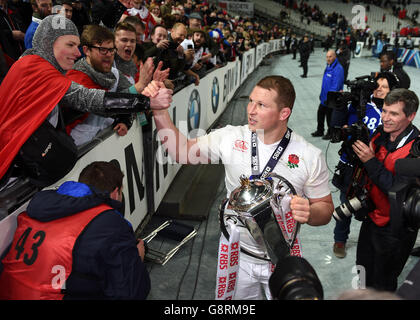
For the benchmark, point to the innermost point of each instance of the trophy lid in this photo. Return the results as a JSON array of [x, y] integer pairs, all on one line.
[[249, 194]]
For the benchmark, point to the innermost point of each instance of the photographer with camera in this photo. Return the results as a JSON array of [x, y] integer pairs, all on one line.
[[382, 250], [197, 68], [385, 81], [169, 50]]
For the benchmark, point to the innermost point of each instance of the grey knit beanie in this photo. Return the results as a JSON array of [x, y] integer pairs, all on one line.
[[48, 31]]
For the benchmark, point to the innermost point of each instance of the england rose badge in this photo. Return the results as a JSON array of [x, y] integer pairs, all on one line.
[[293, 161]]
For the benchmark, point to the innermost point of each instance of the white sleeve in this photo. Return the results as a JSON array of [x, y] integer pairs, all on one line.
[[317, 184], [211, 144]]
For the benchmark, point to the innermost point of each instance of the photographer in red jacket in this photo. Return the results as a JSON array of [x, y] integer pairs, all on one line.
[[382, 252]]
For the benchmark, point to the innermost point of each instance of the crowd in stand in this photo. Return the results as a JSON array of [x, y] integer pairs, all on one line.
[[223, 37], [340, 27], [206, 36], [399, 9], [187, 38]]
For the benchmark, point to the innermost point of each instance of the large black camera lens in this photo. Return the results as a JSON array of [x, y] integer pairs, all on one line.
[[337, 135], [295, 279], [415, 148], [411, 208]]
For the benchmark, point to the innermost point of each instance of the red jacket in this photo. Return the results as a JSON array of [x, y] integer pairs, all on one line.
[[380, 216]]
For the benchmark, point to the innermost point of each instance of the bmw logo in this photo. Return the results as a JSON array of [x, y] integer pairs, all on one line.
[[215, 95], [194, 111]]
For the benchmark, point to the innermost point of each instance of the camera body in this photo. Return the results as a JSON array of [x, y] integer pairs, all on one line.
[[404, 197], [172, 45], [358, 202], [360, 90], [349, 135]]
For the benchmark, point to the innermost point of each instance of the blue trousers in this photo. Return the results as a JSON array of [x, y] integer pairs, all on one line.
[[342, 228]]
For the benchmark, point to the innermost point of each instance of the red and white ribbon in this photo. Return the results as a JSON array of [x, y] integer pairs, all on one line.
[[228, 263], [287, 223], [229, 250]]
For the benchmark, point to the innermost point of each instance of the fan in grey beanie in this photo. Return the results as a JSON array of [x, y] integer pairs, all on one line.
[[48, 31], [77, 96]]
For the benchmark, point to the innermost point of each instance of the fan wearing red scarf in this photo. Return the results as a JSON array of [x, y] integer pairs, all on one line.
[[35, 87]]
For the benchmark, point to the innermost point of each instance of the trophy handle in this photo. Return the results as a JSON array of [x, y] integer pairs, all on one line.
[[293, 191], [291, 187], [221, 218], [294, 234]]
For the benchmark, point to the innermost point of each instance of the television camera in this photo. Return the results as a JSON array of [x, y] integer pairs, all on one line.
[[404, 196], [361, 89]]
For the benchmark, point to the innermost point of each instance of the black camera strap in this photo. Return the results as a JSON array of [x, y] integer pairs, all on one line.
[[274, 159]]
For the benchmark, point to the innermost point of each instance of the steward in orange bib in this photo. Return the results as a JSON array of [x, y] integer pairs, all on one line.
[[380, 250], [72, 243]]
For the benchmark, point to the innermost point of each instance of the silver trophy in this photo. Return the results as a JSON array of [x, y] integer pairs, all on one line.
[[252, 203]]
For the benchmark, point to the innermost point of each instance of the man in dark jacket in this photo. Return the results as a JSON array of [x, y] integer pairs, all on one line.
[[305, 51], [73, 243], [294, 45], [170, 52], [195, 21], [109, 11], [333, 80], [328, 42], [388, 62], [80, 15], [344, 56], [12, 32]]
